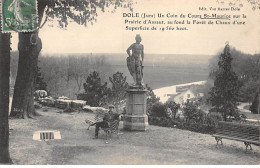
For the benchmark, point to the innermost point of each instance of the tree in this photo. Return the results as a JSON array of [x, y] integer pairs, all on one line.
[[29, 47], [118, 90], [78, 70], [4, 97], [23, 102], [255, 63], [255, 108], [247, 68], [174, 107], [248, 90], [224, 93], [151, 99], [81, 12], [192, 114], [95, 93], [40, 84], [54, 75]]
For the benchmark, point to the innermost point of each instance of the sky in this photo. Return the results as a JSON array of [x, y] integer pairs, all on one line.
[[108, 34]]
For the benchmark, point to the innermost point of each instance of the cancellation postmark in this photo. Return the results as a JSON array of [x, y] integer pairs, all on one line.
[[19, 15]]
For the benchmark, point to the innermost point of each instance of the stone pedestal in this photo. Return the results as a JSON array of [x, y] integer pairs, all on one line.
[[135, 118]]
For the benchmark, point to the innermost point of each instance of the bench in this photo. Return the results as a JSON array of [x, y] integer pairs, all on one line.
[[113, 126], [249, 134]]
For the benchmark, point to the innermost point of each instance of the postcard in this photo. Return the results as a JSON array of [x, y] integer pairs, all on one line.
[[130, 82]]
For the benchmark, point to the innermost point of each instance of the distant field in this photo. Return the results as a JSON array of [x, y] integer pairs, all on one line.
[[157, 77], [160, 70]]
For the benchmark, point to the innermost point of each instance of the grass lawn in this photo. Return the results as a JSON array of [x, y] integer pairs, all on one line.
[[157, 145]]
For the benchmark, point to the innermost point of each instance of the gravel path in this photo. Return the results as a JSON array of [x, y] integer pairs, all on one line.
[[157, 145]]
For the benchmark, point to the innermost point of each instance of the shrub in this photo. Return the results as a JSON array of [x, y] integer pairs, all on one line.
[[255, 105], [212, 120], [162, 121], [158, 115], [195, 119], [192, 114], [151, 99], [117, 94], [174, 107], [95, 93], [158, 110]]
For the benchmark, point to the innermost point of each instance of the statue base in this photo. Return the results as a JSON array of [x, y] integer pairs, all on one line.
[[135, 118]]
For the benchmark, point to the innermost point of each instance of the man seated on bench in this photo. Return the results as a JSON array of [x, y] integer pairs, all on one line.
[[109, 117]]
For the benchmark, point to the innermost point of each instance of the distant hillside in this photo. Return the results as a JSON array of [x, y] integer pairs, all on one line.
[[150, 59], [159, 70]]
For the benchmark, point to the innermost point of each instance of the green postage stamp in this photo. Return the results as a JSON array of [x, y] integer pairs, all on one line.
[[19, 15]]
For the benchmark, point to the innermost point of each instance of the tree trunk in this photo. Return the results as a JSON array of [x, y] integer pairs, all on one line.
[[4, 97], [29, 48], [224, 116], [258, 105]]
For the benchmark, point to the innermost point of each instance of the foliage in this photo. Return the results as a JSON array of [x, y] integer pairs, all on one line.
[[174, 107], [224, 93], [247, 68], [248, 90], [151, 99], [158, 114], [66, 74], [40, 84], [162, 121], [159, 110], [79, 11], [212, 120], [206, 88], [195, 119], [254, 108], [95, 92], [117, 93], [192, 114], [199, 121]]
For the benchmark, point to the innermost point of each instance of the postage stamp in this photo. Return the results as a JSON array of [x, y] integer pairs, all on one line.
[[19, 15]]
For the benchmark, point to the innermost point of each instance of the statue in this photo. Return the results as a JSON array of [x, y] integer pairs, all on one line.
[[135, 61]]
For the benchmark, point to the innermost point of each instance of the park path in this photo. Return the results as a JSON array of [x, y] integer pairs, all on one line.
[[241, 107], [250, 116], [157, 145]]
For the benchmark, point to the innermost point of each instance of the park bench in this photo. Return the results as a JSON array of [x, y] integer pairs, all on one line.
[[113, 126], [249, 134]]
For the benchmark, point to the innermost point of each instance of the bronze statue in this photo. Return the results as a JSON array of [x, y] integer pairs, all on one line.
[[135, 61]]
